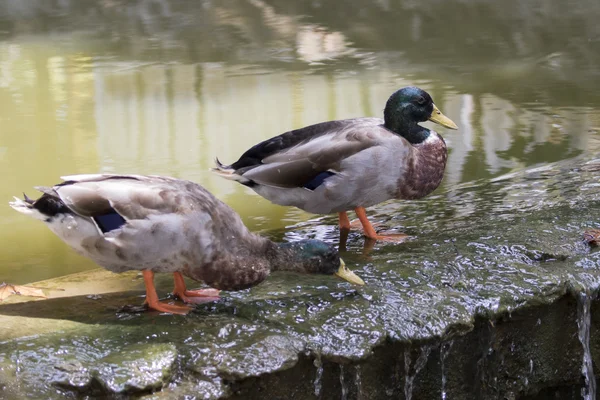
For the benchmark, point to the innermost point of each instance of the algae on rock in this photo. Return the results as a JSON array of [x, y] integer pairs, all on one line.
[[495, 273]]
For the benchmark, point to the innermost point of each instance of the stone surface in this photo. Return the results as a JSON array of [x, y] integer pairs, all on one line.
[[137, 368], [72, 375], [273, 353], [484, 302]]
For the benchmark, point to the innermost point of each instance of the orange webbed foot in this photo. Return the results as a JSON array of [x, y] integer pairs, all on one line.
[[392, 237], [370, 233], [193, 296], [152, 298], [198, 296], [168, 308], [202, 293]]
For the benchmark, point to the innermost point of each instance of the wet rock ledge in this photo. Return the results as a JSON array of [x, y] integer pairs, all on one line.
[[495, 298]]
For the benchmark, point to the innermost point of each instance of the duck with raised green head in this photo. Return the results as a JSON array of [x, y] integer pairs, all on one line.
[[351, 164], [161, 224]]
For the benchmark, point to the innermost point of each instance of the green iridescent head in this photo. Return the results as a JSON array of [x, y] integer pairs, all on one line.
[[315, 257], [410, 105]]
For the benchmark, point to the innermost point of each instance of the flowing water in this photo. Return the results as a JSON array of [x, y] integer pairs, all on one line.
[[318, 384], [411, 371], [358, 382], [445, 348], [584, 324], [343, 384]]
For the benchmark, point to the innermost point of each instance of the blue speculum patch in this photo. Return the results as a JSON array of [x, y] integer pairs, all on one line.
[[318, 180], [109, 222]]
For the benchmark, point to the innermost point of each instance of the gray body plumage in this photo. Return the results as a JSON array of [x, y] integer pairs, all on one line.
[[370, 164], [170, 225]]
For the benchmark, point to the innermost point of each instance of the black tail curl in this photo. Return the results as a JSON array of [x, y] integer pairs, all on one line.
[[49, 205]]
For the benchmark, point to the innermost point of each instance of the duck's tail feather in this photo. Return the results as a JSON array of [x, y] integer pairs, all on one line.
[[227, 172], [27, 198], [26, 207]]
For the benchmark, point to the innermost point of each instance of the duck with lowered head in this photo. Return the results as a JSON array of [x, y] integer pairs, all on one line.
[[161, 224]]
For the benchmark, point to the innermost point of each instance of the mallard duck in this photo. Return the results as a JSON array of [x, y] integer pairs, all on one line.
[[161, 224], [350, 164]]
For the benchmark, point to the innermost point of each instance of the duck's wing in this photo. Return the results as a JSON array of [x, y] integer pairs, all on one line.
[[295, 158], [131, 196]]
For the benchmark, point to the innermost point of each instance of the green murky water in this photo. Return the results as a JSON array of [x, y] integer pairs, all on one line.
[[163, 87]]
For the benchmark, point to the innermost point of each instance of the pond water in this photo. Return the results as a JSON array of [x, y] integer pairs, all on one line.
[[163, 87]]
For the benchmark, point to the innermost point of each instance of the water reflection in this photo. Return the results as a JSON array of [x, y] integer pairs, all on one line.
[[165, 86], [202, 111]]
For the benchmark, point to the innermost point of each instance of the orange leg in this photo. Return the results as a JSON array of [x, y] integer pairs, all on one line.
[[152, 297], [188, 295], [344, 221], [367, 227], [346, 224], [369, 231]]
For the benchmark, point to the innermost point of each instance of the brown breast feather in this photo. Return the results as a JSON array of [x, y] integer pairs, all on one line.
[[424, 170]]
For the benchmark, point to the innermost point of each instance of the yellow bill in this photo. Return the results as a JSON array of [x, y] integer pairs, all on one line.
[[348, 275], [439, 118]]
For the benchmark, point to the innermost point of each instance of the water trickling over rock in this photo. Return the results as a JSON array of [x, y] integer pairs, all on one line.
[[411, 373], [318, 376], [583, 324], [445, 348]]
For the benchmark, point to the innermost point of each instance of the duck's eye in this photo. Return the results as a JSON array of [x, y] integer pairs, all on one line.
[[421, 100]]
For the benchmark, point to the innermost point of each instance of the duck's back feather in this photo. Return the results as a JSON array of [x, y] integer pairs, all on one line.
[[132, 196], [296, 158], [358, 164], [162, 224], [281, 143]]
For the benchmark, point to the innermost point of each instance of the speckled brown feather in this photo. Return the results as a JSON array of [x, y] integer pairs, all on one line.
[[162, 224], [172, 225], [424, 171]]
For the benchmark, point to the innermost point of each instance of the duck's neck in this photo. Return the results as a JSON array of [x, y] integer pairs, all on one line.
[[405, 127], [285, 257], [247, 262], [410, 131]]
